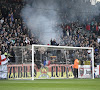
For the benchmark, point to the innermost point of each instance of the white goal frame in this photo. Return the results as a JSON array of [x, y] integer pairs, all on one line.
[[63, 47]]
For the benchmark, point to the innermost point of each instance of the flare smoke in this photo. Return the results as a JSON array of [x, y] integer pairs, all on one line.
[[43, 16]]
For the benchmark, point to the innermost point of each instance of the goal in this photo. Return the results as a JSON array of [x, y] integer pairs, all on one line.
[[56, 62], [51, 62]]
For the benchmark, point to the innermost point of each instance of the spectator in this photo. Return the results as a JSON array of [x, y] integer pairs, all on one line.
[[88, 27], [54, 42], [14, 32], [98, 39]]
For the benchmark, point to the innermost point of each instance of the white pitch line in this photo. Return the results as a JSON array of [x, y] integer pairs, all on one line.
[[34, 82]]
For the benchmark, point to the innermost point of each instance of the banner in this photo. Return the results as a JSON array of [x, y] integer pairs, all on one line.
[[24, 71], [3, 75], [3, 60], [84, 71], [3, 71], [96, 71], [3, 68]]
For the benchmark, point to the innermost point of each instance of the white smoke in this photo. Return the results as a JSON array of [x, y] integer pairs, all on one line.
[[42, 20], [41, 16]]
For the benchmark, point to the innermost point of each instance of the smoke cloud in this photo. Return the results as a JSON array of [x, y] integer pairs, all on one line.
[[42, 16]]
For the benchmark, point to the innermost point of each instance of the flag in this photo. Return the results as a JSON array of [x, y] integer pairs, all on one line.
[[3, 60], [46, 62], [3, 66]]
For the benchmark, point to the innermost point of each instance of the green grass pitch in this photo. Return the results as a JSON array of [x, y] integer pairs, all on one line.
[[59, 84]]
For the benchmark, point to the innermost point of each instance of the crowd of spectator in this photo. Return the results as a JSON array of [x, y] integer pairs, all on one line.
[[78, 38], [13, 31]]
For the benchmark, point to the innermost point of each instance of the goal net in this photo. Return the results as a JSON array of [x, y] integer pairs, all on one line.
[[51, 62], [56, 62]]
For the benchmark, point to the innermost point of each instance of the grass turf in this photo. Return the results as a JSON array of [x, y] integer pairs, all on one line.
[[60, 84]]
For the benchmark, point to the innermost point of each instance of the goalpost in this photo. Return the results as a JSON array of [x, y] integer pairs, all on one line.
[[56, 62], [51, 62]]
